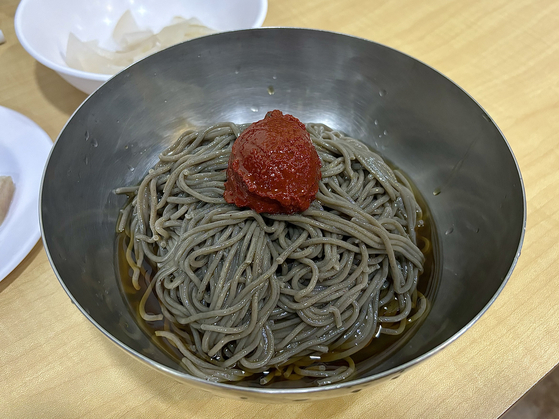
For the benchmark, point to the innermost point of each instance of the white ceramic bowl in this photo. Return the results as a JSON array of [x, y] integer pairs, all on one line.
[[43, 26]]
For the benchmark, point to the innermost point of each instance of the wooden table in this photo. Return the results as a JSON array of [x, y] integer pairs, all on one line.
[[54, 363]]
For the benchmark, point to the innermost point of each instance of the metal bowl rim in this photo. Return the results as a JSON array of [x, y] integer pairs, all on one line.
[[182, 376]]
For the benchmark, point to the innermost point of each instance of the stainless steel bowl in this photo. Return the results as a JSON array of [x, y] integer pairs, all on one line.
[[418, 119]]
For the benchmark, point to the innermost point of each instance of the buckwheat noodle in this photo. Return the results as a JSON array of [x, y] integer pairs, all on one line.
[[286, 296]]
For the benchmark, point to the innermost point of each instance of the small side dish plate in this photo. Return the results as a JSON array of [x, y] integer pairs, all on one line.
[[24, 148]]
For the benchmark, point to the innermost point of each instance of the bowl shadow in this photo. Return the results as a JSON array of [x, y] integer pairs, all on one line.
[[62, 95], [23, 265]]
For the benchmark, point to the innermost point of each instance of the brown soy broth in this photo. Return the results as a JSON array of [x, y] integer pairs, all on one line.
[[133, 297], [382, 347], [375, 353]]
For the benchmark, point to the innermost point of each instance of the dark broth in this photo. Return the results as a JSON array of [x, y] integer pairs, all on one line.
[[379, 349]]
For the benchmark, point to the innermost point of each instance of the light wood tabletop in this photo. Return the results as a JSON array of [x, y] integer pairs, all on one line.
[[55, 363]]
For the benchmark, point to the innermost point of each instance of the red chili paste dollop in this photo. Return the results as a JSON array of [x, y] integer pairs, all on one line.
[[273, 167]]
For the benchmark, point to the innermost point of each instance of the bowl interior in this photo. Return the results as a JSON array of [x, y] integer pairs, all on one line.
[[418, 119], [44, 25]]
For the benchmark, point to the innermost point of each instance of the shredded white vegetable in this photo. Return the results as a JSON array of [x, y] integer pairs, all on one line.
[[133, 44]]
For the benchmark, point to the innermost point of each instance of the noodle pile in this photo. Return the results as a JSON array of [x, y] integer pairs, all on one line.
[[285, 296]]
